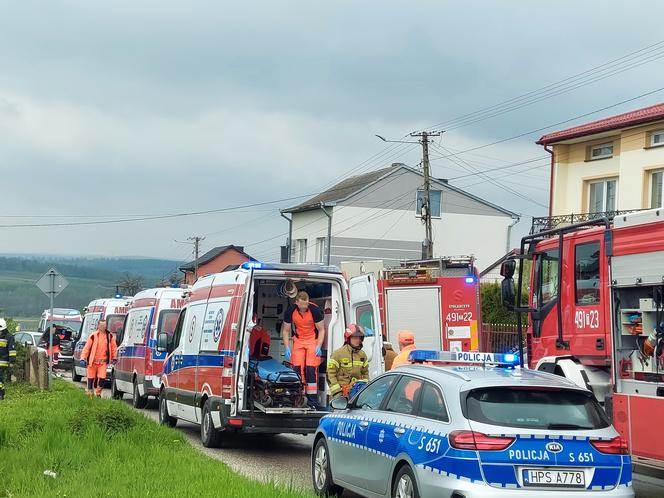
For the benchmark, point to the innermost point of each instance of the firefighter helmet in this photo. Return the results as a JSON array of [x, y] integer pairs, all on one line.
[[354, 330], [3, 324]]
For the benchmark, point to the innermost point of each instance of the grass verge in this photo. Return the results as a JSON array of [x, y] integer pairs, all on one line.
[[103, 448]]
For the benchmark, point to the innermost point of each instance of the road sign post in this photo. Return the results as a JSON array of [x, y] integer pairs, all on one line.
[[51, 283]]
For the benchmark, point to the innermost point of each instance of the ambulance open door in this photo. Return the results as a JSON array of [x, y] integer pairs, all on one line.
[[364, 311]]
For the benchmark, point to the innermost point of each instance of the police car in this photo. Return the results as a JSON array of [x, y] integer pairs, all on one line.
[[454, 428]]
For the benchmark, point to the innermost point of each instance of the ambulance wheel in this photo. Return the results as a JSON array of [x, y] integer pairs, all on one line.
[[321, 471], [74, 376], [138, 401], [210, 436], [164, 417], [115, 392], [404, 485]]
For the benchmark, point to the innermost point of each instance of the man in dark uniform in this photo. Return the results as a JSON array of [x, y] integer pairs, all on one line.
[[7, 354]]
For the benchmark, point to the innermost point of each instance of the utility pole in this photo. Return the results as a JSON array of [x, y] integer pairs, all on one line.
[[426, 205], [197, 242]]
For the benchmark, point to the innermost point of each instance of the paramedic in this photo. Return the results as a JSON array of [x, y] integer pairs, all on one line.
[[305, 321], [406, 345], [349, 363], [259, 341], [389, 354], [7, 354], [100, 350]]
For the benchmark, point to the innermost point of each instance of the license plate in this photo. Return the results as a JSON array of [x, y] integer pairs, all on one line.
[[554, 478]]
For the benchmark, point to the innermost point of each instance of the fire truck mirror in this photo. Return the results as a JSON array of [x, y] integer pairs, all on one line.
[[507, 268], [162, 343], [507, 294]]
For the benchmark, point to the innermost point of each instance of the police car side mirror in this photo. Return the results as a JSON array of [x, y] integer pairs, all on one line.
[[162, 343], [339, 403]]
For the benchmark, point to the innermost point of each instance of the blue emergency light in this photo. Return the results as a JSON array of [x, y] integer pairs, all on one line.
[[470, 280], [475, 357], [118, 296], [257, 265]]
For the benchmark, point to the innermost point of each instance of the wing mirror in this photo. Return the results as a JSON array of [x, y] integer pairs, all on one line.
[[339, 403], [162, 343]]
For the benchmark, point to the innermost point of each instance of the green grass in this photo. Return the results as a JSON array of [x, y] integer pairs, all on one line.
[[103, 448]]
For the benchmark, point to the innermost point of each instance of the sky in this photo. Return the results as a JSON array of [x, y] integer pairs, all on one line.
[[122, 109]]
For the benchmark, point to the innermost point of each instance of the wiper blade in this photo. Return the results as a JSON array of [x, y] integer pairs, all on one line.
[[567, 426]]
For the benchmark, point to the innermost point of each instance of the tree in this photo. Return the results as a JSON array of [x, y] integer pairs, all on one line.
[[131, 285]]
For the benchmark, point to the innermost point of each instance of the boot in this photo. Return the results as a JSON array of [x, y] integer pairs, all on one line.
[[313, 401]]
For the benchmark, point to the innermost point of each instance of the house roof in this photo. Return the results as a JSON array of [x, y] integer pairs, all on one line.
[[499, 262], [355, 184], [343, 189], [632, 118], [212, 254]]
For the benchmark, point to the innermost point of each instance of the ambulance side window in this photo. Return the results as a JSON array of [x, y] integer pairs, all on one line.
[[364, 316], [175, 340]]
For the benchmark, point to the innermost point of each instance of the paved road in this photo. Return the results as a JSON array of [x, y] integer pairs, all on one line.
[[285, 458]]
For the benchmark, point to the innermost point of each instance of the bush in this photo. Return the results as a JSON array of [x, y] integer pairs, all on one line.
[[492, 308], [18, 368]]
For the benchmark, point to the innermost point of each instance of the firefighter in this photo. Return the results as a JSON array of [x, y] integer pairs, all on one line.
[[349, 363], [389, 354], [100, 350], [7, 354], [305, 322], [406, 345]]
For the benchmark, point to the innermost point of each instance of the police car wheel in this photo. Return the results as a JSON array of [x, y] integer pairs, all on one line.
[[321, 471], [404, 484], [210, 436], [164, 417], [138, 401], [115, 392]]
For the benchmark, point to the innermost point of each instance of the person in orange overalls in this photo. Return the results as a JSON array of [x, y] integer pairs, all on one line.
[[100, 350], [305, 321], [406, 345]]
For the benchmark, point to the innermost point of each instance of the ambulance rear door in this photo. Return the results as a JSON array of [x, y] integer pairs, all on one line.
[[364, 311]]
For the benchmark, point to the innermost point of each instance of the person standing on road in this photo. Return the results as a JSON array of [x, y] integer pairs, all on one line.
[[406, 345], [305, 322], [349, 363], [100, 351], [389, 354], [7, 354]]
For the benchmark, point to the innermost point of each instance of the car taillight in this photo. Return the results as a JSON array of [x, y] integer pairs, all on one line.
[[615, 446], [227, 377], [148, 367], [476, 441]]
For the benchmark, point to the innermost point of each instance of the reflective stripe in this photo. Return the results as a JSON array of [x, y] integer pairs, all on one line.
[[333, 363], [366, 363], [335, 388], [3, 343], [4, 363], [12, 353], [312, 388], [358, 363]]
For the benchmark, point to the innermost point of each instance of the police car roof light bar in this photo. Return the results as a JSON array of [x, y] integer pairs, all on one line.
[[464, 357]]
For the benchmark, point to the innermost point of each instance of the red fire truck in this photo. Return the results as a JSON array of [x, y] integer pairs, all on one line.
[[438, 299], [595, 305]]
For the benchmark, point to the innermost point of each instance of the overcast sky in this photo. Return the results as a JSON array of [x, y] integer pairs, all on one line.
[[158, 107]]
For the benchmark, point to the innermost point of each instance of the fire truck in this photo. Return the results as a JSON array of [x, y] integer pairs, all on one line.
[[594, 296], [438, 299]]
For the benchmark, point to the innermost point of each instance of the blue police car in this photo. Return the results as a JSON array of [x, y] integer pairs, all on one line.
[[446, 429]]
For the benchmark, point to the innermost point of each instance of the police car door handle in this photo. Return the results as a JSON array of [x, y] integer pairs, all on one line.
[[364, 424], [398, 431]]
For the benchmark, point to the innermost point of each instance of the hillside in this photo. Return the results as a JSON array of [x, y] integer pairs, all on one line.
[[89, 278]]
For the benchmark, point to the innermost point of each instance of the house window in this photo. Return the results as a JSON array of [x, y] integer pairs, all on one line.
[[301, 250], [656, 187], [321, 252], [601, 151], [436, 198], [657, 138], [602, 196]]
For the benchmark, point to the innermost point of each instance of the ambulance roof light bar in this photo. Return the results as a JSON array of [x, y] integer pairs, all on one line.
[[510, 360]]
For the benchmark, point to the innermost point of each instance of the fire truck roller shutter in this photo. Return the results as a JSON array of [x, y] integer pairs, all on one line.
[[416, 309]]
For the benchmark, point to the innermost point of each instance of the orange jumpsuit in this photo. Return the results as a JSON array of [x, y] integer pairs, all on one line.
[[99, 351], [402, 357], [305, 339]]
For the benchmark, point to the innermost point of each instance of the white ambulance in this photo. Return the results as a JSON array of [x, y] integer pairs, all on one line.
[[207, 375]]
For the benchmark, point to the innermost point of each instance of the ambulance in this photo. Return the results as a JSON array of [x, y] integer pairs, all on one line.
[[206, 378], [139, 366], [113, 310]]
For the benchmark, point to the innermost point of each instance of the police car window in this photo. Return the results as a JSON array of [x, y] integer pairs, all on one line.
[[433, 404], [371, 397], [405, 396], [535, 408]]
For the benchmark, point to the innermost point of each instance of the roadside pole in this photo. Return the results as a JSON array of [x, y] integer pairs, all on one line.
[[51, 283]]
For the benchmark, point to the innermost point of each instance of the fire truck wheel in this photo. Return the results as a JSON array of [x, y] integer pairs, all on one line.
[[210, 436], [164, 417], [138, 401], [115, 392]]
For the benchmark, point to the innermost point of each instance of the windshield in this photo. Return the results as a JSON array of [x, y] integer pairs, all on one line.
[[533, 408], [167, 321], [114, 323], [70, 324], [89, 325]]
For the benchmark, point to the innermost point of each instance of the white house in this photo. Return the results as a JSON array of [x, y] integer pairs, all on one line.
[[376, 215]]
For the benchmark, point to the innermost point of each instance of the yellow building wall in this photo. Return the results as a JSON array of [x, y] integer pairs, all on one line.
[[633, 160]]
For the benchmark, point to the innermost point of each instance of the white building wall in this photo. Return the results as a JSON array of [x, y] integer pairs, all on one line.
[[308, 225]]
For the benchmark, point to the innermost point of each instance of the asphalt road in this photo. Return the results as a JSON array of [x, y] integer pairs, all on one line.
[[285, 459]]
